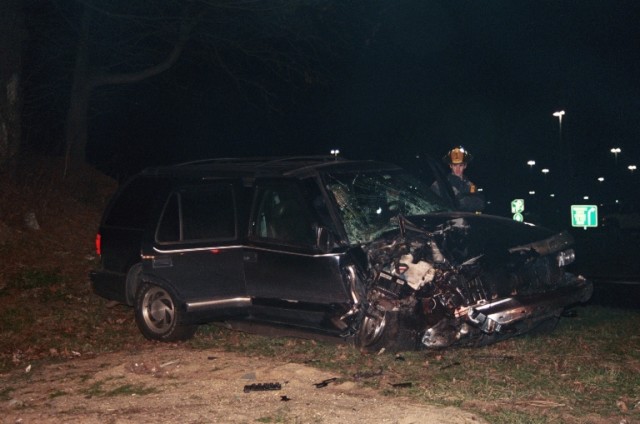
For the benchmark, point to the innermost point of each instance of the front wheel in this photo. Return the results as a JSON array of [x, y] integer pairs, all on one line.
[[158, 316], [379, 329]]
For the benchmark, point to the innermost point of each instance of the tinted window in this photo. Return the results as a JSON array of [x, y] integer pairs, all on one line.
[[169, 228], [206, 213], [132, 206]]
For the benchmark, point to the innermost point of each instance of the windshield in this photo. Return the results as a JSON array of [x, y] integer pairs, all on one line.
[[370, 201]]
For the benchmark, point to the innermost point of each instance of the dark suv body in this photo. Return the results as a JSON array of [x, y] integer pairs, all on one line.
[[358, 250]]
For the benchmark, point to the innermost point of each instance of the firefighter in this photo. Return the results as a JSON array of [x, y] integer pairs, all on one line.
[[465, 191]]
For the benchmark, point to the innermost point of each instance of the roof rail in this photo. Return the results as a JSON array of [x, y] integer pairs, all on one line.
[[264, 161]]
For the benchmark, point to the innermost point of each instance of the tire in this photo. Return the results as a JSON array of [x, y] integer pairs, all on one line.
[[381, 329], [158, 315]]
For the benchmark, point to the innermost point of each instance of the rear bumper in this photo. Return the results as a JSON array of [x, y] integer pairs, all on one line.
[[110, 285]]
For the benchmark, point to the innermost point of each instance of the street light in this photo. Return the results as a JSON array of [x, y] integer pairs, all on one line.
[[335, 152], [601, 179], [531, 163], [545, 171], [615, 151], [559, 114], [632, 168], [565, 149]]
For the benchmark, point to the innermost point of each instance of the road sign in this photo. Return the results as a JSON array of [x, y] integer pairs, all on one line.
[[517, 206], [584, 216]]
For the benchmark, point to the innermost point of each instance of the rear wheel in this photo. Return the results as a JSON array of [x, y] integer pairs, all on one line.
[[158, 317]]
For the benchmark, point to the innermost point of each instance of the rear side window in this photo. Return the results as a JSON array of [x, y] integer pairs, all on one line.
[[132, 206], [199, 214]]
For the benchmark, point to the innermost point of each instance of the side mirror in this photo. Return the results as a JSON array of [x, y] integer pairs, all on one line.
[[324, 239]]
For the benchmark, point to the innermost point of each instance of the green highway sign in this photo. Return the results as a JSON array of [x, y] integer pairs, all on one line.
[[517, 206], [584, 216]]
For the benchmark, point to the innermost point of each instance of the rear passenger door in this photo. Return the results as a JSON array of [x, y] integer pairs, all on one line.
[[197, 249]]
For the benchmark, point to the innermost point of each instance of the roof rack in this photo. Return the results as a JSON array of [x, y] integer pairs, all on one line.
[[262, 160]]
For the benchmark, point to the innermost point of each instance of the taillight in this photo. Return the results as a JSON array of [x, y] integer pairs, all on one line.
[[98, 244]]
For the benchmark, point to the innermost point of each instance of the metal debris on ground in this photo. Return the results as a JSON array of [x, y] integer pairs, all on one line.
[[261, 387], [402, 385], [325, 383]]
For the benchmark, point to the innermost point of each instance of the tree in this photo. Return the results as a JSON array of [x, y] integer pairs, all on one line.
[[253, 41], [12, 32]]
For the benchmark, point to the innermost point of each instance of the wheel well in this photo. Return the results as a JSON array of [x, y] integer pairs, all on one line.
[[133, 282]]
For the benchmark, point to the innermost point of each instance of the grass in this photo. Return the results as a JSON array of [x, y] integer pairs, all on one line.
[[97, 389], [586, 367]]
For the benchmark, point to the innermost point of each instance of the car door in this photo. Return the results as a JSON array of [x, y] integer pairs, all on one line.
[[283, 268], [197, 249]]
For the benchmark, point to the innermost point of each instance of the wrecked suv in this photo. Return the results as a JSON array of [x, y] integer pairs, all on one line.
[[356, 250]]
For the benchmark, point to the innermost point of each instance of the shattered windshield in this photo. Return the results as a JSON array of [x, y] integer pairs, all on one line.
[[370, 201]]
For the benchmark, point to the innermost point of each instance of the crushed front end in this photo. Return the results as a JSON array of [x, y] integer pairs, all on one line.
[[468, 281]]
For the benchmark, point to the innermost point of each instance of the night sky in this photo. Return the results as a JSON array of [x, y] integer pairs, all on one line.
[[421, 77]]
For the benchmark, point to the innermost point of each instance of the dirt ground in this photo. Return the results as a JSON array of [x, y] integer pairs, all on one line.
[[177, 384]]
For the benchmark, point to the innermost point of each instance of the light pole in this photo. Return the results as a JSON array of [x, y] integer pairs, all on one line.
[[632, 168], [531, 163], [616, 151], [559, 114]]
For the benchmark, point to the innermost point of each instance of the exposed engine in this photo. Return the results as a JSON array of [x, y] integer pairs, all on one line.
[[415, 276]]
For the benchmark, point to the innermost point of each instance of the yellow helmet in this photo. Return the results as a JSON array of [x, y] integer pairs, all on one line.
[[457, 155]]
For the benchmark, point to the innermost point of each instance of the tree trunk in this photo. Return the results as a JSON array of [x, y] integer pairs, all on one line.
[[86, 79], [77, 116], [12, 32]]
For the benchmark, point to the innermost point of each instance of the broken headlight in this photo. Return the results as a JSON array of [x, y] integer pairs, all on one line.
[[565, 257]]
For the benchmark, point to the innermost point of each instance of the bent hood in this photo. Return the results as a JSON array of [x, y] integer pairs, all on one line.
[[464, 236]]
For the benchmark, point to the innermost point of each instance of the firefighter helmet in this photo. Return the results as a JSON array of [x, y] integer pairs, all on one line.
[[457, 155]]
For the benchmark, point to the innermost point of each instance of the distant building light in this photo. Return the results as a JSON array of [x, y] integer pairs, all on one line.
[[480, 189]]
